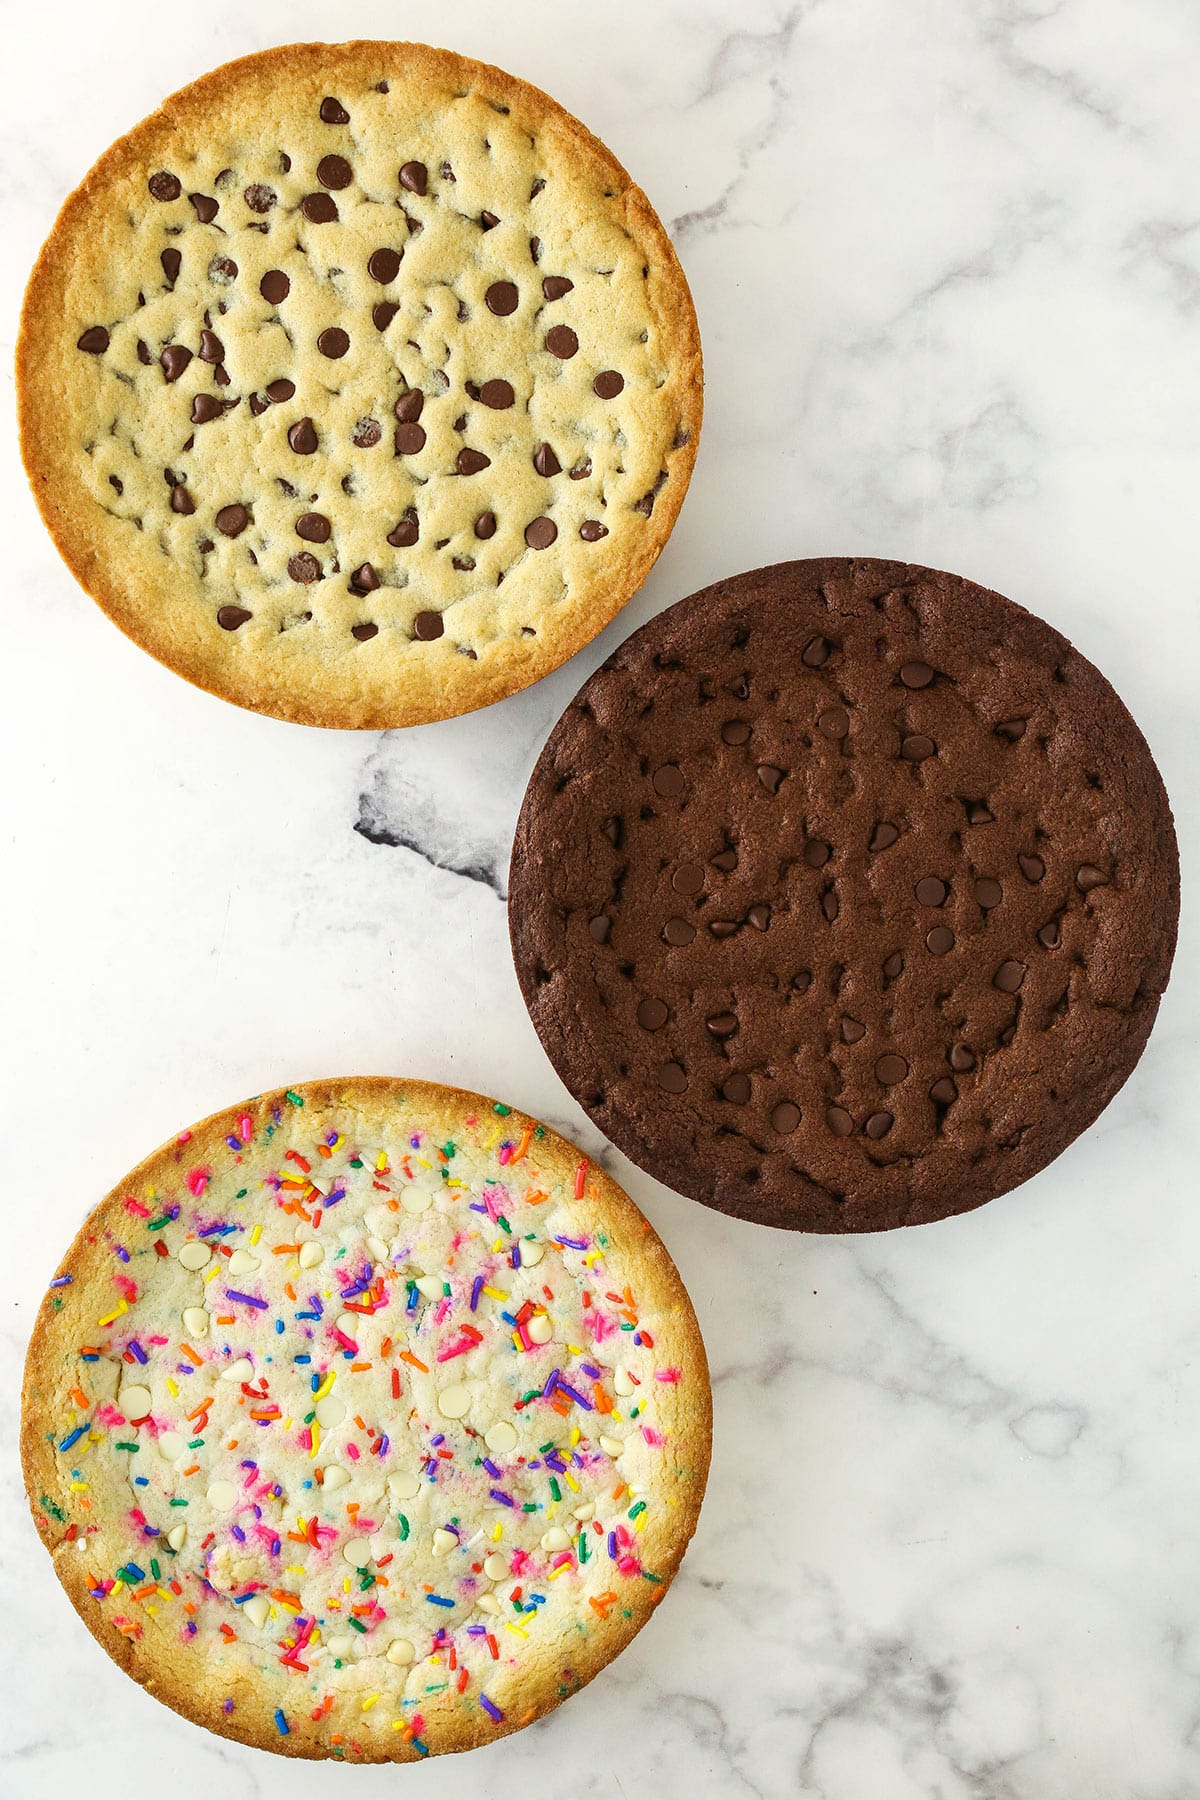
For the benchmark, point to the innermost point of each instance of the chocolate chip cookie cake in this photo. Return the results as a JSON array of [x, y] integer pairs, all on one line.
[[359, 384], [367, 1419], [844, 894]]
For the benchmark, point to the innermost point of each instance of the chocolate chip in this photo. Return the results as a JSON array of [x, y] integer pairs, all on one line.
[[363, 633], [313, 527], [736, 1089], [319, 209], [540, 533], [409, 439], [944, 1091], [652, 1014], [591, 531], [930, 891], [230, 617], [673, 1078], [274, 286], [735, 731], [879, 1124], [415, 177], [94, 340], [600, 927], [916, 674], [770, 777], [608, 384], [1012, 729], [334, 172], [978, 814], [231, 521], [562, 342], [555, 286], [383, 266], [884, 836], [816, 853], [723, 1025], [281, 390], [939, 941], [333, 342], [1050, 935], [962, 1058], [206, 207], [835, 722], [222, 270], [143, 353], [545, 461], [428, 626], [724, 928], [915, 749], [258, 405], [785, 1117], [205, 408], [406, 532], [302, 436], [304, 567], [366, 434], [470, 462], [497, 394], [988, 892], [212, 350], [260, 198], [669, 780], [1009, 976], [181, 500], [853, 1030], [164, 186], [502, 298], [174, 359], [893, 966], [678, 932], [333, 112], [816, 652], [1031, 867], [582, 470], [839, 1121], [364, 580], [1088, 876], [383, 314], [726, 861], [759, 916], [485, 525]]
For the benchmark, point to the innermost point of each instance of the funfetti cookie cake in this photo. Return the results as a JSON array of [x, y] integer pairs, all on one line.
[[844, 894], [359, 384], [368, 1419]]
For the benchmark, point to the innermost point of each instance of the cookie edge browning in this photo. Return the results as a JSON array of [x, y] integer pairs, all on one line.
[[180, 1691], [50, 466], [1014, 1169]]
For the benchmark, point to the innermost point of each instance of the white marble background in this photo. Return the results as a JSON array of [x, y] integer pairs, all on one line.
[[946, 255]]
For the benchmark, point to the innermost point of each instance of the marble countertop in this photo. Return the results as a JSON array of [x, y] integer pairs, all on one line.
[[946, 257]]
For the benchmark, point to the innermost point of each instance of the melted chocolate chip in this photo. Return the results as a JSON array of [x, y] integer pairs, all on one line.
[[962, 1058], [562, 342], [1050, 935], [363, 633], [384, 266], [1012, 729], [333, 342], [409, 439], [916, 674], [723, 1025], [164, 186], [313, 527], [415, 177], [816, 853], [988, 892], [878, 1125], [540, 533], [471, 462], [485, 525], [319, 209], [333, 112], [608, 384], [839, 1121], [334, 172], [302, 436], [1009, 976], [673, 1078], [212, 350], [274, 287], [260, 198], [231, 521], [171, 261], [502, 298], [770, 777], [174, 359], [1088, 876], [652, 1015], [555, 286], [737, 1088], [94, 340], [497, 394], [884, 836], [304, 567], [816, 653], [406, 532], [364, 580], [206, 207], [230, 617], [1031, 867], [591, 531], [545, 461], [205, 408], [944, 1091], [181, 500], [917, 748], [280, 390], [366, 434], [383, 314], [428, 626]]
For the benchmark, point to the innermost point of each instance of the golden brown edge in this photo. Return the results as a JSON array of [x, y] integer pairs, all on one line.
[[44, 1477], [48, 467]]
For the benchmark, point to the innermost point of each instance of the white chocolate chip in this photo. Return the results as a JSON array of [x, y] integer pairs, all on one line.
[[222, 1495], [194, 1254], [171, 1445], [357, 1552], [623, 1381], [555, 1539], [136, 1401], [531, 1253], [400, 1651], [403, 1486], [487, 1603], [177, 1536], [310, 1255], [241, 1370], [380, 1220], [341, 1645], [242, 1263], [349, 1324], [330, 1411], [443, 1541], [585, 1512], [431, 1286], [257, 1609], [539, 1329], [416, 1200], [454, 1402], [611, 1446], [495, 1566], [501, 1437], [378, 1249], [195, 1321], [324, 1188], [334, 1476]]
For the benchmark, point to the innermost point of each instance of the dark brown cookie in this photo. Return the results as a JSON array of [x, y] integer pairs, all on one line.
[[844, 894]]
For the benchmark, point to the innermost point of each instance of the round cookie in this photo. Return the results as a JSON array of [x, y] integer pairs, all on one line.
[[844, 894], [367, 1419], [359, 384]]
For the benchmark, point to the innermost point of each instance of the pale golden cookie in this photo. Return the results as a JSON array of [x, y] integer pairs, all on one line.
[[359, 384], [366, 1419]]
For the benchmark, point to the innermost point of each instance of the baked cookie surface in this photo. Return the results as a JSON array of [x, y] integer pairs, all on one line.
[[844, 894], [366, 1419], [359, 384]]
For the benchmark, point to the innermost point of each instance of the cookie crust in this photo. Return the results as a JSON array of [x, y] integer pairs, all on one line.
[[843, 896], [81, 1495], [132, 488]]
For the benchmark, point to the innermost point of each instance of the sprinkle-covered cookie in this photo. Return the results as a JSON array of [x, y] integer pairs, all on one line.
[[366, 1420], [359, 384], [844, 894]]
